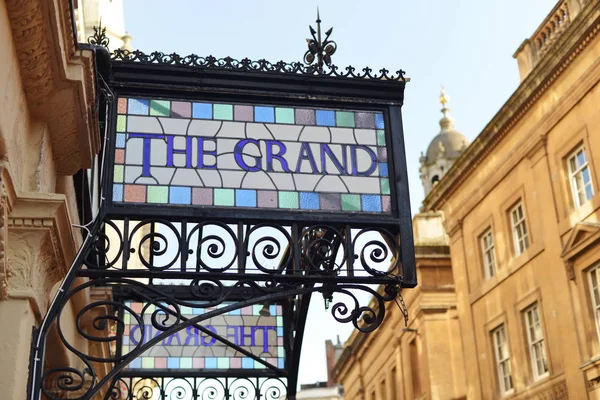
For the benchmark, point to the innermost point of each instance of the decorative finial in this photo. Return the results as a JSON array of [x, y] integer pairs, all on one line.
[[446, 123], [99, 37], [444, 98], [322, 50]]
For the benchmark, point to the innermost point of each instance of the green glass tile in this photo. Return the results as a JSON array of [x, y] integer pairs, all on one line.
[[127, 318], [351, 202], [161, 108], [121, 123], [223, 111], [284, 115], [224, 197], [345, 119], [223, 363], [380, 137], [256, 309], [185, 362], [150, 308], [280, 351], [147, 362], [186, 310], [279, 321], [158, 194], [118, 175], [288, 200], [385, 186]]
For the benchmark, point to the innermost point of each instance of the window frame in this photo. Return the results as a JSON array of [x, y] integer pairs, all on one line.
[[500, 362], [514, 229], [594, 295], [574, 171], [487, 271], [532, 343]]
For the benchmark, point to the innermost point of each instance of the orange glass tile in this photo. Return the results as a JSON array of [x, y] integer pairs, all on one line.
[[122, 106], [120, 156], [135, 193]]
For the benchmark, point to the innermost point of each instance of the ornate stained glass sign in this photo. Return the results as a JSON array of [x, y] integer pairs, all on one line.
[[254, 156]]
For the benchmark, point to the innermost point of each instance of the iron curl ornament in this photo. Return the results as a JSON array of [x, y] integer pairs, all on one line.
[[318, 49]]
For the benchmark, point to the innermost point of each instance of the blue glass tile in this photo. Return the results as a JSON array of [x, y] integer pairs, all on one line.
[[173, 362], [210, 362], [126, 339], [245, 198], [280, 331], [325, 118], [309, 201], [383, 169], [280, 363], [117, 192], [138, 107], [264, 114], [273, 310], [198, 311], [379, 121], [180, 195], [371, 202], [120, 142], [247, 363], [235, 312], [202, 110], [137, 363]]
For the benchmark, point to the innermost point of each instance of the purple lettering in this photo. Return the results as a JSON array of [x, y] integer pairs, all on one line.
[[236, 339], [171, 150], [277, 156], [212, 340], [192, 333], [202, 153], [238, 152], [341, 166], [306, 154], [146, 153], [243, 335], [354, 156]]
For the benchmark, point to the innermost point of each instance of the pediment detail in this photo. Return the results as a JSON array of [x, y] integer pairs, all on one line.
[[582, 235]]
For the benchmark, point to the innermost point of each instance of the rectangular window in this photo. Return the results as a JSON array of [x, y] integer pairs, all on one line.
[[519, 229], [580, 177], [535, 340], [383, 390], [502, 359], [415, 368], [595, 293], [486, 241], [395, 387]]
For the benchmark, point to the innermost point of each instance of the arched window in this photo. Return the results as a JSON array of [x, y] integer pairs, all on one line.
[[435, 179]]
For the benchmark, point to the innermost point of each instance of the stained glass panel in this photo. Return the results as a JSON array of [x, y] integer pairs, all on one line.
[[261, 335], [251, 156]]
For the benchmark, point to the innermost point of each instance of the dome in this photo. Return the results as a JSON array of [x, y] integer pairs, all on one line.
[[449, 143]]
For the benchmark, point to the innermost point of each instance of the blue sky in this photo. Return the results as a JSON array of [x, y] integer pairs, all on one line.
[[465, 45]]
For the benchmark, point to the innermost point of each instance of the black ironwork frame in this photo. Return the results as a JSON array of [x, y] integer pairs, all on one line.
[[257, 256]]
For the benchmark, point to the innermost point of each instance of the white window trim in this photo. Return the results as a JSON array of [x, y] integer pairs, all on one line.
[[514, 226], [499, 362], [572, 174], [489, 269], [531, 344], [596, 304]]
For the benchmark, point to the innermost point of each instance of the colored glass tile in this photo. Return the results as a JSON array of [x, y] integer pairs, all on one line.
[[161, 108], [117, 192], [147, 362], [350, 202], [120, 141], [202, 110], [158, 194], [264, 114], [364, 120], [256, 309], [344, 119], [180, 195], [119, 156], [383, 169], [279, 320], [273, 310], [137, 107], [280, 363], [385, 185], [280, 350], [181, 109], [185, 362], [243, 113], [267, 199], [386, 203], [235, 312], [173, 362], [235, 362], [245, 198], [325, 117], [247, 310], [284, 115], [223, 363], [379, 124], [247, 363], [309, 201], [380, 137], [137, 363], [210, 362], [122, 106], [382, 154], [371, 203], [135, 193], [202, 196], [224, 197], [330, 201], [160, 362], [197, 362], [121, 123], [288, 199], [118, 173], [223, 112], [305, 116]]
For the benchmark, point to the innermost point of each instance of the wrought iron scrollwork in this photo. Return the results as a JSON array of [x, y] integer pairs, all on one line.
[[99, 37]]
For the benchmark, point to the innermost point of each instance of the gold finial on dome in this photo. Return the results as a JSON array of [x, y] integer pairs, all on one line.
[[446, 123], [444, 98]]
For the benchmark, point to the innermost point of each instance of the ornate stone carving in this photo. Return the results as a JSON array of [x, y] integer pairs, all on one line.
[[558, 391]]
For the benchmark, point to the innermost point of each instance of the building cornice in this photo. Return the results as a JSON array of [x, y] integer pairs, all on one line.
[[566, 49], [58, 79]]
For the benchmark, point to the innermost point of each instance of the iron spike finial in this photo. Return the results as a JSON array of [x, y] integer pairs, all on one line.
[[319, 49], [99, 37]]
